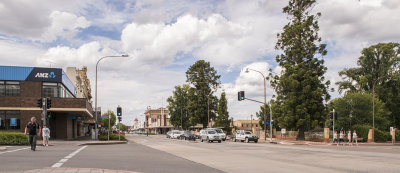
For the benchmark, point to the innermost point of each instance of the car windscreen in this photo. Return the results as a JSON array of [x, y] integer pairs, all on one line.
[[219, 131], [211, 132], [248, 133]]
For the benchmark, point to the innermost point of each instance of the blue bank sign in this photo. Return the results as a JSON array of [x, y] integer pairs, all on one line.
[[45, 74]]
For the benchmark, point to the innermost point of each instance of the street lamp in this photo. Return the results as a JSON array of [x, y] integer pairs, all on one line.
[[97, 64], [265, 106]]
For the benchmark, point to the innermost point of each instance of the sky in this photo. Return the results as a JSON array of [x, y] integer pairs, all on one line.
[[163, 38]]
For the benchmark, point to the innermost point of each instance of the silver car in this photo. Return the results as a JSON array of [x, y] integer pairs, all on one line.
[[220, 132], [209, 136]]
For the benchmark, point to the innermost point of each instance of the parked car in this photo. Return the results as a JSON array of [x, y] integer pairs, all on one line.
[[169, 134], [176, 134], [187, 136], [220, 132], [245, 136], [209, 136]]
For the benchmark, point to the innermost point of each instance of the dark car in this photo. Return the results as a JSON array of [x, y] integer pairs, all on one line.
[[187, 136]]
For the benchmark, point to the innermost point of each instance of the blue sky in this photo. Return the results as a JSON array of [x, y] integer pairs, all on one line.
[[165, 37]]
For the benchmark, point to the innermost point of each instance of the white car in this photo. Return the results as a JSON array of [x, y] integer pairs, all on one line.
[[220, 132], [175, 134], [209, 136], [245, 136]]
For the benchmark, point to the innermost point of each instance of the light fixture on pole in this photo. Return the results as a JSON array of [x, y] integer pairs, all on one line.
[[95, 106], [265, 106]]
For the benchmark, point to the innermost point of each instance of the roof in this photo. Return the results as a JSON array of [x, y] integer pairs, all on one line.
[[245, 121]]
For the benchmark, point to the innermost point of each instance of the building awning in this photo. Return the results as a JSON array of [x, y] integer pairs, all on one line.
[[83, 111]]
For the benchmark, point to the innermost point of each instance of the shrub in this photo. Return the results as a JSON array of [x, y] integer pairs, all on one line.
[[112, 137], [13, 138], [382, 136]]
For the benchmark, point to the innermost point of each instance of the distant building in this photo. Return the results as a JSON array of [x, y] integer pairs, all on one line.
[[81, 82], [157, 121], [246, 124]]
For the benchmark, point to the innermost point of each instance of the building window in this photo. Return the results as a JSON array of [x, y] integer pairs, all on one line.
[[10, 120], [256, 125], [242, 125], [50, 90], [2, 88], [9, 88]]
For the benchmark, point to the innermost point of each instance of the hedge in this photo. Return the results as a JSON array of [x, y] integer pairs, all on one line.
[[112, 137], [13, 138]]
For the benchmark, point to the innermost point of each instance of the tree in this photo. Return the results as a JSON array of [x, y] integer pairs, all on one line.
[[301, 90], [123, 127], [112, 120], [355, 109], [379, 65], [222, 119], [177, 107], [205, 81]]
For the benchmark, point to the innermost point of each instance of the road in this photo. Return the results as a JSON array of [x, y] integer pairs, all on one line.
[[157, 154], [261, 157]]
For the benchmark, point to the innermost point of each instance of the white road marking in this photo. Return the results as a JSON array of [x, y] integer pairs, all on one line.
[[65, 159], [14, 150]]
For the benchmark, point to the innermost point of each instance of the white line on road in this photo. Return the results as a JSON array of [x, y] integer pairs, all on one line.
[[65, 159], [14, 150]]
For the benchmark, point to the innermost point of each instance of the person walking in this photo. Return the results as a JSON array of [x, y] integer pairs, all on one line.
[[355, 137], [341, 137], [34, 131], [46, 136], [335, 137], [349, 137]]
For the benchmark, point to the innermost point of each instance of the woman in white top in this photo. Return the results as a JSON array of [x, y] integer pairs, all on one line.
[[349, 137], [341, 137], [355, 137], [46, 135]]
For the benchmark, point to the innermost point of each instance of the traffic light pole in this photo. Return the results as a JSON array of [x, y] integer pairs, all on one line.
[[44, 111], [333, 116]]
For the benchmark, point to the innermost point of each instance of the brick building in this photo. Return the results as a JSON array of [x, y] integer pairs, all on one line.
[[21, 87]]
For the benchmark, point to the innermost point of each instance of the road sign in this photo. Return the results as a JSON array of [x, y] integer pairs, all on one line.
[[104, 116], [266, 122], [283, 131]]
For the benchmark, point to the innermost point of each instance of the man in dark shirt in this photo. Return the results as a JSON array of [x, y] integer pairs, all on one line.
[[34, 131]]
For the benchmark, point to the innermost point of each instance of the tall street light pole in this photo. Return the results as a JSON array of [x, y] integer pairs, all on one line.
[[265, 106], [97, 64]]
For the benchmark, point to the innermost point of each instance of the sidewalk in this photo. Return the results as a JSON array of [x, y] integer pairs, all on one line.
[[289, 142]]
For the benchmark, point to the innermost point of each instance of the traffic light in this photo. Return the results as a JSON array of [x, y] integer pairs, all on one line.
[[119, 119], [331, 115], [241, 95], [119, 111], [49, 115], [336, 115], [331, 123], [48, 102], [40, 103]]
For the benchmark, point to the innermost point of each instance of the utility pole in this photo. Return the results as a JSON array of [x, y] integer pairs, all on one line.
[[208, 111], [251, 121]]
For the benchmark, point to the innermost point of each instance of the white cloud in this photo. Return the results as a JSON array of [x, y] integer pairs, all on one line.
[[64, 25]]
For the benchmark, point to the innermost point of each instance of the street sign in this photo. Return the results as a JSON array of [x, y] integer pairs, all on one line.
[[104, 116], [266, 122], [283, 131]]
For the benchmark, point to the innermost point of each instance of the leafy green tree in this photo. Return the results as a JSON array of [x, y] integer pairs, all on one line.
[[379, 65], [112, 120], [222, 119], [177, 107], [354, 109], [204, 81], [123, 127], [301, 90]]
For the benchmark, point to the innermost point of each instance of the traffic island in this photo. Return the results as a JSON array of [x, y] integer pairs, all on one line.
[[103, 143]]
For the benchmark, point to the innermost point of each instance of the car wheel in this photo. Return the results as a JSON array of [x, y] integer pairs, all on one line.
[[247, 140], [208, 140], [223, 139], [255, 141], [235, 140], [201, 139], [219, 141]]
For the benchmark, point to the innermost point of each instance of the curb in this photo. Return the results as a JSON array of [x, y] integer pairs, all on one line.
[[104, 143], [3, 148]]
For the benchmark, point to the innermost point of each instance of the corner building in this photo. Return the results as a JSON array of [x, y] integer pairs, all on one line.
[[21, 87]]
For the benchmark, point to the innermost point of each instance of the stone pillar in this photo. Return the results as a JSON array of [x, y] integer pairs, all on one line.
[[326, 135], [371, 135]]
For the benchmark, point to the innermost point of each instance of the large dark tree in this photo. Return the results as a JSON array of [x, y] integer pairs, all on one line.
[[301, 88], [222, 119], [177, 107], [204, 81], [379, 65]]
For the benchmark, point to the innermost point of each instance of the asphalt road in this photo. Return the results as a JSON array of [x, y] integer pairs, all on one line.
[[158, 154], [131, 157], [264, 157]]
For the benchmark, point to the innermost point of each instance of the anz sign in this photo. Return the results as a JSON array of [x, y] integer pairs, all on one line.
[[45, 74]]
